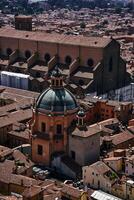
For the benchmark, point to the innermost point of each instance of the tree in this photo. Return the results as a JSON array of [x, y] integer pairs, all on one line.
[[105, 22], [118, 10], [130, 6], [83, 25]]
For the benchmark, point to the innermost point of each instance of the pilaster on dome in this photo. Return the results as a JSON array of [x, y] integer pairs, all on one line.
[[56, 78], [56, 100]]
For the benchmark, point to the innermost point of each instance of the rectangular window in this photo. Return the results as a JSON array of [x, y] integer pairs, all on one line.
[[130, 190], [57, 82], [43, 127], [98, 184], [40, 150], [61, 82], [59, 129], [52, 82], [73, 154]]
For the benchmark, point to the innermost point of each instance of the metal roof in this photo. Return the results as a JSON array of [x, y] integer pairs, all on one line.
[[100, 195], [56, 100], [19, 75]]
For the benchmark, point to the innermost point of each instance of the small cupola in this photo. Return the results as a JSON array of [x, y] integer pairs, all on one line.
[[80, 118], [56, 78]]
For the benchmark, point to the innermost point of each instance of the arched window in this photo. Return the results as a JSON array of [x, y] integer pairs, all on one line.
[[111, 64], [90, 62], [9, 51], [57, 82], [47, 57], [60, 82], [52, 82], [80, 121], [68, 60], [27, 54]]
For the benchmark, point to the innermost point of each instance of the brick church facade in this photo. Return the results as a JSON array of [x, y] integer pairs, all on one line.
[[88, 64]]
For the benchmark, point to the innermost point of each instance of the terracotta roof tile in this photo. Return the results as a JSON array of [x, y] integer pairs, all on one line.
[[86, 132], [55, 38], [122, 137], [70, 190]]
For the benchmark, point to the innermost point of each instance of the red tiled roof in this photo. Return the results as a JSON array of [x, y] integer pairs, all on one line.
[[122, 137], [55, 38]]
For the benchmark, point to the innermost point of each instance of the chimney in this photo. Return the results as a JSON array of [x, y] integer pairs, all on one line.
[[23, 23]]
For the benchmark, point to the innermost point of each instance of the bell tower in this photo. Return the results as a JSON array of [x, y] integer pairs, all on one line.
[[80, 118]]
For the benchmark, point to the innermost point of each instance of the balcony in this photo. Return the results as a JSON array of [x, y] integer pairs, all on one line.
[[58, 137], [42, 135]]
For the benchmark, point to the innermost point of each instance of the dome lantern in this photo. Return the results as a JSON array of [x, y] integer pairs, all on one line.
[[56, 78]]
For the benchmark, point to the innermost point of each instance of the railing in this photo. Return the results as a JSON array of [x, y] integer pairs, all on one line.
[[41, 135], [58, 137]]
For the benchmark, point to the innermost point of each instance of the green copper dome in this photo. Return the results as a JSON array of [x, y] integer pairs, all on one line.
[[56, 100]]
